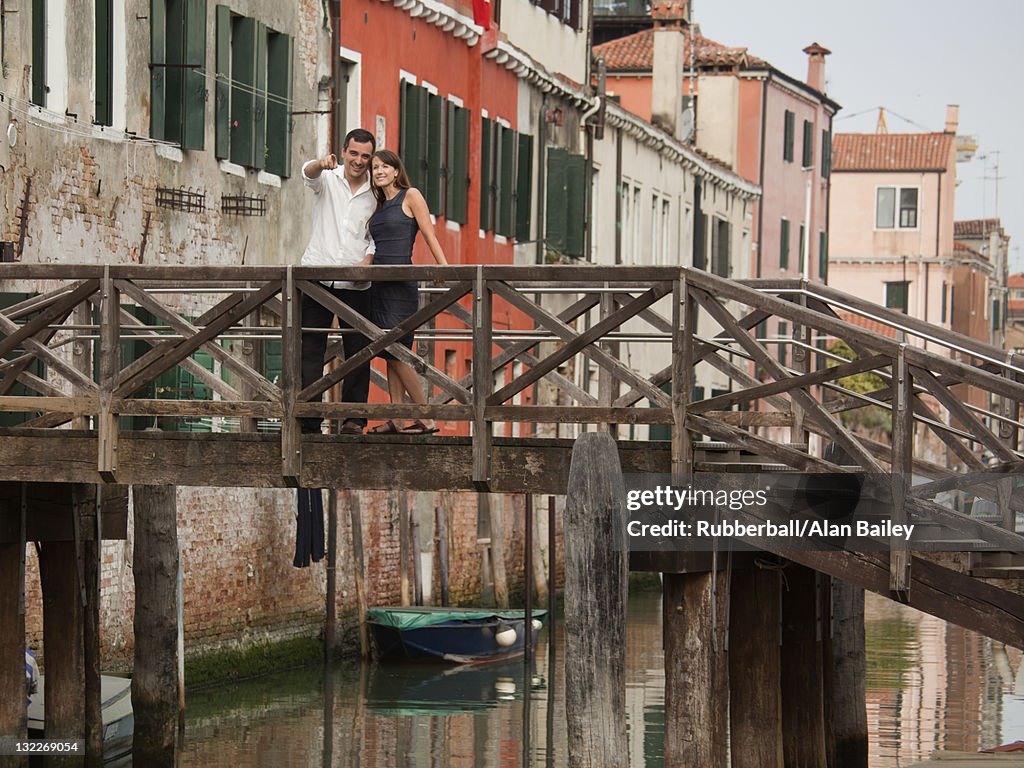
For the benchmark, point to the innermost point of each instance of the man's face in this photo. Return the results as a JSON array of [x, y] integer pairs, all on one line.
[[356, 159]]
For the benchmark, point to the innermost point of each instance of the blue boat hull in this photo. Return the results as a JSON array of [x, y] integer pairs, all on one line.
[[458, 641]]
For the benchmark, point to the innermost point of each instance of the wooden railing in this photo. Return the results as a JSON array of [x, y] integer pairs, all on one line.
[[678, 325]]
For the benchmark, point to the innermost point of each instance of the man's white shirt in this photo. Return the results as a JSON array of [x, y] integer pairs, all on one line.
[[340, 236]]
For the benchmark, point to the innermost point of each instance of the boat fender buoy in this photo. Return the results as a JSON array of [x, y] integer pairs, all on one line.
[[506, 637], [536, 624]]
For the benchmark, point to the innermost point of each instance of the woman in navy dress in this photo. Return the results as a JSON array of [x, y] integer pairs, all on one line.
[[401, 213]]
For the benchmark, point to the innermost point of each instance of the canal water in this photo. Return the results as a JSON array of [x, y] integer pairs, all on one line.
[[930, 686]]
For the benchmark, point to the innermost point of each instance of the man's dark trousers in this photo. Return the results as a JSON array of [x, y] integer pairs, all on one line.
[[355, 387]]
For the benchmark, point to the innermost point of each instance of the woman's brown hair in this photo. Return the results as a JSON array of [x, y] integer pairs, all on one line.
[[388, 157]]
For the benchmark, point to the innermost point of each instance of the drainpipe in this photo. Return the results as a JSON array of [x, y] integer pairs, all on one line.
[[588, 175], [760, 175], [618, 196], [337, 108], [542, 138]]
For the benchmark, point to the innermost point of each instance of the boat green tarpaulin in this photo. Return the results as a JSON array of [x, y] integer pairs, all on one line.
[[414, 618]]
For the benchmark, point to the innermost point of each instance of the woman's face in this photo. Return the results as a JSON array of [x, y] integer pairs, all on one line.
[[383, 174]]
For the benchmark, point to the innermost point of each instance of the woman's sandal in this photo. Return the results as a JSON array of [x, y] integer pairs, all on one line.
[[418, 428], [387, 428]]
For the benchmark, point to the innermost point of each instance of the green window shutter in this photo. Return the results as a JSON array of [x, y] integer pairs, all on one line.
[[800, 249], [783, 349], [524, 187], [555, 211], [997, 314], [39, 52], [433, 188], [157, 72], [279, 104], [826, 154], [104, 63], [808, 158], [259, 127], [896, 295], [222, 89], [193, 105], [784, 244], [412, 142], [789, 128], [243, 98], [487, 152], [505, 181], [823, 258], [721, 248], [945, 306], [575, 201], [457, 173]]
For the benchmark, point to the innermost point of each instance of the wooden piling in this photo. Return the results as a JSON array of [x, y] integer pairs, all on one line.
[[442, 550], [63, 657], [845, 670], [497, 512], [596, 575], [12, 649], [356, 522], [92, 549], [696, 693], [404, 546], [755, 698], [330, 618], [155, 677], [803, 718]]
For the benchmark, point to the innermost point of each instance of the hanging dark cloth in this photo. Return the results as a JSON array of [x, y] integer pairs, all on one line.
[[309, 527]]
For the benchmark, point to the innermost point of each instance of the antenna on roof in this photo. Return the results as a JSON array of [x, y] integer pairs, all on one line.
[[880, 126]]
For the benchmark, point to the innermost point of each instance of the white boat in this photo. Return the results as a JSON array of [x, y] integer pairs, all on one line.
[[118, 719]]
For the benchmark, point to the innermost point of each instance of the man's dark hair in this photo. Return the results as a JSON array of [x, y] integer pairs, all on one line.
[[362, 136]]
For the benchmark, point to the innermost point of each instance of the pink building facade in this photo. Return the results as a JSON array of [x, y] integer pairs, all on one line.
[[892, 226], [769, 127]]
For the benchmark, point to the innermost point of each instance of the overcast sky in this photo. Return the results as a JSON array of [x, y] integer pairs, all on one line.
[[912, 57]]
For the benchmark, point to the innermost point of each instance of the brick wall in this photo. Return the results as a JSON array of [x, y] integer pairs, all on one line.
[[240, 588]]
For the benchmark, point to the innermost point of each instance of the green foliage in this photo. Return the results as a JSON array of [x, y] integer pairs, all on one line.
[[867, 417]]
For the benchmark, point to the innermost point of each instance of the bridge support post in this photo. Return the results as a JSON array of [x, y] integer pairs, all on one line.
[[755, 697], [696, 693], [803, 715], [846, 718], [12, 646], [596, 580], [63, 647], [155, 675]]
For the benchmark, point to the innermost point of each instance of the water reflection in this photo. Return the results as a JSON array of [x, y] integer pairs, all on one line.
[[930, 686]]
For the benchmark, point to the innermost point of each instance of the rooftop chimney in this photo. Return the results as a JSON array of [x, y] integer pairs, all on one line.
[[816, 54], [666, 87], [952, 118]]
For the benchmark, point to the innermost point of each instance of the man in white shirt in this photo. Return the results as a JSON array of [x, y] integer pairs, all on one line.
[[343, 206]]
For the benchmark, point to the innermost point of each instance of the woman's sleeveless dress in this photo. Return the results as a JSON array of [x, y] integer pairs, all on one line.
[[393, 234]]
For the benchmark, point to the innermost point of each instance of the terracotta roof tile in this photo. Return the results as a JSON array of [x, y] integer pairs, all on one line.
[[1015, 281], [636, 51], [964, 248], [868, 324], [892, 151], [976, 227]]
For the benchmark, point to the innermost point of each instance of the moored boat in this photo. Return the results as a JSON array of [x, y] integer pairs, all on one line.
[[118, 719], [457, 635]]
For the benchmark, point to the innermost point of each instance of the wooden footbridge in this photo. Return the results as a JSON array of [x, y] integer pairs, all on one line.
[[93, 357]]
